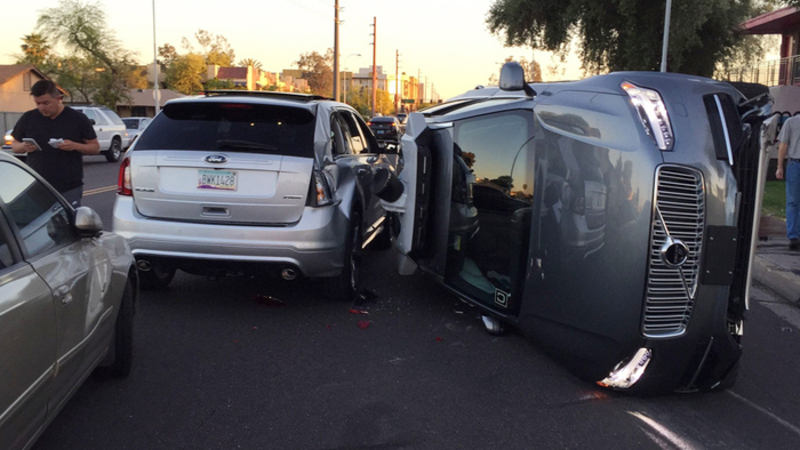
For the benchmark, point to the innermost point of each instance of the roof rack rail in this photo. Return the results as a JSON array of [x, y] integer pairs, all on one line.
[[274, 94]]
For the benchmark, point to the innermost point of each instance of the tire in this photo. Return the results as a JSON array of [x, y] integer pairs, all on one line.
[[123, 335], [121, 345], [157, 278], [345, 286], [113, 152]]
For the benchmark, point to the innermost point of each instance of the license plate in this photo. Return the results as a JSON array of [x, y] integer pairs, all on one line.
[[381, 131], [224, 180]]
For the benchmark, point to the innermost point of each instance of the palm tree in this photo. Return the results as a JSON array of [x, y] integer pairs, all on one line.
[[250, 62], [35, 49]]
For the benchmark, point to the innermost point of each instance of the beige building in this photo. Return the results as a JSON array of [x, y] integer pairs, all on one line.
[[143, 102], [15, 92]]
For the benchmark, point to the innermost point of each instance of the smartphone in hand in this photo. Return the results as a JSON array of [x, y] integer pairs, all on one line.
[[32, 141]]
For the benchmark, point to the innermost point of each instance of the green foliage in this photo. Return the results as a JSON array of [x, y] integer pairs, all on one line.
[[81, 28], [626, 34], [214, 47], [185, 74], [35, 50], [317, 69], [774, 202]]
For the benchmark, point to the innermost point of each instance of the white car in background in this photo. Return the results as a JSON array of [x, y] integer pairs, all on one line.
[[135, 126], [111, 131]]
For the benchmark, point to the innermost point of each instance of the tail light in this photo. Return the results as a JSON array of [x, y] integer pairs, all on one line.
[[124, 180], [652, 114], [320, 191]]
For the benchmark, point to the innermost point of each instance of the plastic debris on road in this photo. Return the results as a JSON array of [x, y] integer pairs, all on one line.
[[266, 300], [363, 324], [358, 311]]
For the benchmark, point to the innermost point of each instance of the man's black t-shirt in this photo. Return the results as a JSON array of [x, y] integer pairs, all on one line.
[[62, 169]]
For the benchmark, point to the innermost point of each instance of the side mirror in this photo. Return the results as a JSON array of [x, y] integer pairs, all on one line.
[[512, 78], [93, 122], [88, 222]]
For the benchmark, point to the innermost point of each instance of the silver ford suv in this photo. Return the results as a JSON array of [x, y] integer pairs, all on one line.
[[240, 181]]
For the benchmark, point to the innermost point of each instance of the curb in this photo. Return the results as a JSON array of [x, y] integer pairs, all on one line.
[[782, 281]]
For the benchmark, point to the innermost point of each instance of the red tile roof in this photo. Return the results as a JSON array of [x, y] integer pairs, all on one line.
[[232, 73]]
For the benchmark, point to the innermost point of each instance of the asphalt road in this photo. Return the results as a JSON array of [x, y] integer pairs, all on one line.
[[266, 364]]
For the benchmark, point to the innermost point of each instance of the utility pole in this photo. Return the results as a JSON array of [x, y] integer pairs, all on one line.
[[667, 16], [156, 94], [396, 81], [336, 51], [374, 67]]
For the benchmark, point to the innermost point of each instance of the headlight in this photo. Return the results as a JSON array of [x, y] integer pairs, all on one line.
[[652, 114], [628, 371]]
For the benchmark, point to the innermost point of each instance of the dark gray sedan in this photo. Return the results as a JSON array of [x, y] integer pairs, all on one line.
[[67, 294]]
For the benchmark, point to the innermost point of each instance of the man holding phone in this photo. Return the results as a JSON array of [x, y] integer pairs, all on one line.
[[61, 165]]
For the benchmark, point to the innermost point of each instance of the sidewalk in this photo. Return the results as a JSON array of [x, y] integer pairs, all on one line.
[[775, 266]]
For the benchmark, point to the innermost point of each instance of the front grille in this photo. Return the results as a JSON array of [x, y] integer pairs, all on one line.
[[679, 215]]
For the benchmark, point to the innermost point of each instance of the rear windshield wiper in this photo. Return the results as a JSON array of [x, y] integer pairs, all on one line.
[[239, 144]]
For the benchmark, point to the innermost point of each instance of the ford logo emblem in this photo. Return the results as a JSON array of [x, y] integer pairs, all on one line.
[[216, 159], [674, 252]]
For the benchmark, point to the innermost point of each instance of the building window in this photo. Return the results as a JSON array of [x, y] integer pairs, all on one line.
[[139, 111], [26, 81]]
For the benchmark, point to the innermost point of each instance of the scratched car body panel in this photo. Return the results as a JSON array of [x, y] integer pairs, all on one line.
[[610, 219], [64, 285]]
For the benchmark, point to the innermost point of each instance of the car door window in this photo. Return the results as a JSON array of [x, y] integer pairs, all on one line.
[[357, 140], [38, 215], [346, 138], [92, 116], [6, 259]]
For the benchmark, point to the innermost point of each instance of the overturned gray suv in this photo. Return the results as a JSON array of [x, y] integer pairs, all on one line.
[[609, 219], [237, 181]]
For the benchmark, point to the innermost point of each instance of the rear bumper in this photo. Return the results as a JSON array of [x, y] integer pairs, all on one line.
[[314, 245]]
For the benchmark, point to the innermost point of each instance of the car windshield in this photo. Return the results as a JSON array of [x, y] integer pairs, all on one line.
[[131, 124], [205, 126]]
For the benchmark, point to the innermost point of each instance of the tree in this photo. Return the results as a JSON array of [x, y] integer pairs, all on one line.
[[214, 47], [185, 74], [626, 34], [35, 50], [167, 53], [81, 28], [317, 69], [250, 62]]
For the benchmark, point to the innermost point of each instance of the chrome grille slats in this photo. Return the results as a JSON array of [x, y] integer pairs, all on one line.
[[679, 215]]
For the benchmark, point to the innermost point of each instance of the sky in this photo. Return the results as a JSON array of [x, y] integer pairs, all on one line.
[[445, 42]]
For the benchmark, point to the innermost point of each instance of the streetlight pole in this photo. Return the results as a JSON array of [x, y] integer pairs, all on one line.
[[344, 88], [667, 15], [156, 95]]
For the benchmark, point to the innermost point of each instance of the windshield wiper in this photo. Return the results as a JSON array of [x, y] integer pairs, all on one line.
[[239, 144]]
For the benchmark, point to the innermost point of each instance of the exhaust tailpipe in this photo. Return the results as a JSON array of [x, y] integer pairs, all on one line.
[[288, 274], [144, 265]]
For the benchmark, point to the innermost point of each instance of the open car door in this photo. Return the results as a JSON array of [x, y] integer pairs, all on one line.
[[427, 153]]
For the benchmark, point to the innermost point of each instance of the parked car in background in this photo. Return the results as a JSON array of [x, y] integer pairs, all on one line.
[[7, 140], [110, 129], [386, 129], [612, 220], [403, 119], [135, 126], [67, 298], [259, 182]]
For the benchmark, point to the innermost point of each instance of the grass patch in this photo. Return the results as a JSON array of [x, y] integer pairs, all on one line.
[[774, 202]]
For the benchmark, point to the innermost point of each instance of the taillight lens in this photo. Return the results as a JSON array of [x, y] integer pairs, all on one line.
[[124, 180], [652, 114], [320, 191]]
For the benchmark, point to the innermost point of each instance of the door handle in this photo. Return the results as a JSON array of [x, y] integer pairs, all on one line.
[[63, 293]]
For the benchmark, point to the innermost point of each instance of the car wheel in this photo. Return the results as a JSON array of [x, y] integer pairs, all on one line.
[[113, 152], [157, 277], [121, 345], [345, 286]]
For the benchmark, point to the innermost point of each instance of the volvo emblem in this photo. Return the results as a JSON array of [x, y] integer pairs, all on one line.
[[216, 159], [674, 252]]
